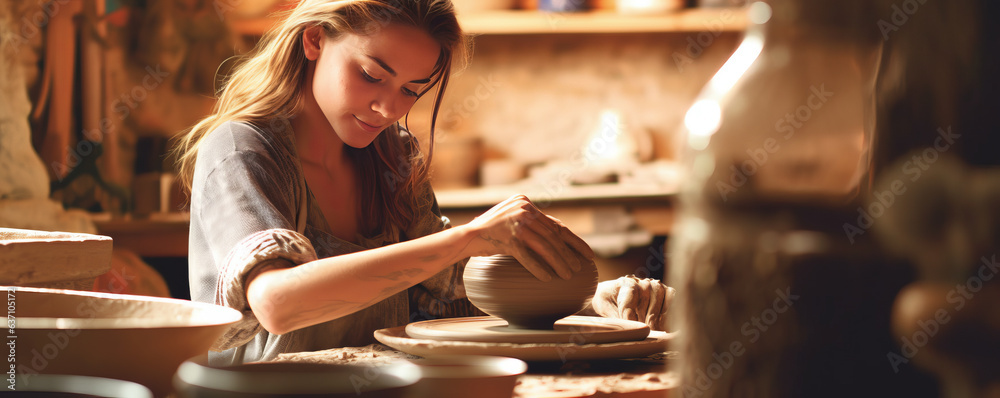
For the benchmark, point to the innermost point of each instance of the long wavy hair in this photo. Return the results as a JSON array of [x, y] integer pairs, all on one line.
[[268, 85]]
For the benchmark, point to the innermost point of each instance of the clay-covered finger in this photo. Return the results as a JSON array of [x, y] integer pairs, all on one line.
[[552, 233], [575, 247], [642, 290], [533, 264], [544, 250], [503, 206], [604, 299], [627, 300], [656, 299], [668, 300], [665, 313], [574, 241]]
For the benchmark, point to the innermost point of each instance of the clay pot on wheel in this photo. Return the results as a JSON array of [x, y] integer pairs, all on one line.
[[502, 287]]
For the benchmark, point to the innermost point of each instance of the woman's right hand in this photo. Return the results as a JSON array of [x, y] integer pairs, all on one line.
[[542, 243]]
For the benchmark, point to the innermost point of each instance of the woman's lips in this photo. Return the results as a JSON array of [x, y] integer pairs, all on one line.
[[367, 127]]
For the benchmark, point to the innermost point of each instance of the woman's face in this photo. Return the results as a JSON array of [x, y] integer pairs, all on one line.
[[364, 84]]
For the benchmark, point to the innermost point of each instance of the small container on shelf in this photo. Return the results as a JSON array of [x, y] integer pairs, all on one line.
[[722, 3], [456, 161], [501, 172], [562, 5], [603, 5], [527, 4], [648, 6]]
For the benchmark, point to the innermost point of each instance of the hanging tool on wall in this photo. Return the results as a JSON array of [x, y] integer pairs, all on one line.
[[65, 155]]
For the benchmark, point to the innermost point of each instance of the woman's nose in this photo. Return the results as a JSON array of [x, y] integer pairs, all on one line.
[[386, 106]]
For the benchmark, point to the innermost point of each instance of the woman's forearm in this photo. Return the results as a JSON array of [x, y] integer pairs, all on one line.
[[288, 299]]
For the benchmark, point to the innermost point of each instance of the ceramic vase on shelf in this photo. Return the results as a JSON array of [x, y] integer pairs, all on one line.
[[774, 298], [562, 5], [648, 6], [721, 3]]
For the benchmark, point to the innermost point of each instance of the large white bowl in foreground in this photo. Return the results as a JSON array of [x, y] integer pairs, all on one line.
[[136, 338]]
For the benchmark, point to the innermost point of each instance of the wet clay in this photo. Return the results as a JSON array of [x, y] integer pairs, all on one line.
[[502, 287]]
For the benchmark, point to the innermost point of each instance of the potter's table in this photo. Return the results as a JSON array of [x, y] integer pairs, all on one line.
[[631, 378]]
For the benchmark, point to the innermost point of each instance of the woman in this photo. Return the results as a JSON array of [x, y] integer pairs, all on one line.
[[310, 207]]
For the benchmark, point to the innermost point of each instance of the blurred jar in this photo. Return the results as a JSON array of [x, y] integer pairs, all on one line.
[[790, 116], [721, 3], [527, 4], [648, 6], [456, 161], [562, 5], [774, 299]]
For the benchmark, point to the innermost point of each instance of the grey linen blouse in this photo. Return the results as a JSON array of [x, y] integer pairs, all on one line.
[[250, 206]]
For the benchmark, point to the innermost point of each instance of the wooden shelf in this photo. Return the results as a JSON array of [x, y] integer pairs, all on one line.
[[153, 237], [650, 206], [536, 22], [485, 197]]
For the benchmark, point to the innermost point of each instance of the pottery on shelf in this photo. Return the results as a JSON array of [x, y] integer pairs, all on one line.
[[500, 286]]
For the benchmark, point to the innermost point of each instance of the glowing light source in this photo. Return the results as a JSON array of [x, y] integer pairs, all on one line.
[[702, 120], [736, 66], [759, 13], [705, 116]]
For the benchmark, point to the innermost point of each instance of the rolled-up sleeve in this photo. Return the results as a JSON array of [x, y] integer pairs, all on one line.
[[244, 212], [254, 254]]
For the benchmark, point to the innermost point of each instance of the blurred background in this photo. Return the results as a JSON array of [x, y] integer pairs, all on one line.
[[838, 158], [575, 103]]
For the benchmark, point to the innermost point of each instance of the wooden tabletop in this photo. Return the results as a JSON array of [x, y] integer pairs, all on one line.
[[632, 378]]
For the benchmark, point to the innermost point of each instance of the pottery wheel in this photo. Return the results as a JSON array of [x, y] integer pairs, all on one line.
[[488, 329], [398, 339]]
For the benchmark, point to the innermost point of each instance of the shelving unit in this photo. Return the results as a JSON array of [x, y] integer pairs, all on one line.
[[536, 22]]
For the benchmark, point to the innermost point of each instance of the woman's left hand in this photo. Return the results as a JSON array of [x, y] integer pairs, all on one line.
[[644, 300]]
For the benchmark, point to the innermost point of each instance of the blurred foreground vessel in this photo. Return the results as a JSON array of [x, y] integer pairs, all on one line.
[[787, 258]]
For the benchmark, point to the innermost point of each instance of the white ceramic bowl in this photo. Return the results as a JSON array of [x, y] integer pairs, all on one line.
[[468, 375], [197, 379], [66, 386], [136, 338]]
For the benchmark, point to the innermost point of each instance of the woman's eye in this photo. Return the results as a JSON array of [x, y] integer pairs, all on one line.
[[368, 77], [410, 93]]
